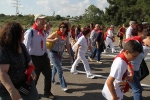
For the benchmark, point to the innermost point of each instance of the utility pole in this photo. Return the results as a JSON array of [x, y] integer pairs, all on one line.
[[17, 5]]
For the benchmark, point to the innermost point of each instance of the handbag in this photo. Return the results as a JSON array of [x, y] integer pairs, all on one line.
[[24, 88], [143, 70], [49, 45]]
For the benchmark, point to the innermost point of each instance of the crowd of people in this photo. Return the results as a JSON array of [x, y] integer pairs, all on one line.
[[24, 55]]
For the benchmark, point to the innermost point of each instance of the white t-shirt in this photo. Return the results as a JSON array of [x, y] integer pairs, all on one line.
[[128, 32], [118, 68], [84, 44], [110, 33]]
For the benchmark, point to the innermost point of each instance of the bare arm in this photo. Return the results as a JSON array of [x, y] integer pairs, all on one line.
[[6, 81], [52, 38], [90, 46], [111, 88]]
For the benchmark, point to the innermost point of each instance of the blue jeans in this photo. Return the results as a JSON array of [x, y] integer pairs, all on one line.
[[33, 94], [136, 86], [56, 59], [96, 52], [92, 55]]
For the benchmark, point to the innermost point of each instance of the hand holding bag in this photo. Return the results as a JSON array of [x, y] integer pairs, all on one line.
[[49, 45]]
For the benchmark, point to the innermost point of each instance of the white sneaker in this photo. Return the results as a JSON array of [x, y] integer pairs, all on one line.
[[91, 76], [104, 51], [74, 72], [99, 62], [64, 89]]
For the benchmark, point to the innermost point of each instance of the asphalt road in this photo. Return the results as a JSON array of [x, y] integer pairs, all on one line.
[[82, 88]]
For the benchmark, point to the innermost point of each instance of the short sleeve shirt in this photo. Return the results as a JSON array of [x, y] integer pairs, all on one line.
[[118, 68], [84, 44], [17, 66], [129, 32]]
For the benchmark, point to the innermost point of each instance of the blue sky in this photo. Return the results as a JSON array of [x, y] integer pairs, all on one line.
[[47, 7]]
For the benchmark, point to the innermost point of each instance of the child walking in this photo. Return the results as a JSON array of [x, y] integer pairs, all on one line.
[[113, 89]]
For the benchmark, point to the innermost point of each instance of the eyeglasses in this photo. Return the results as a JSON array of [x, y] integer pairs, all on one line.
[[62, 27]]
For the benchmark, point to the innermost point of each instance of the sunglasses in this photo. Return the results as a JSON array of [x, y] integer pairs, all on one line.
[[62, 27]]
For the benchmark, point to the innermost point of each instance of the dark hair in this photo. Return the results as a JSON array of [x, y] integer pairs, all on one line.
[[11, 35], [66, 25], [138, 28], [85, 31], [79, 28], [133, 46]]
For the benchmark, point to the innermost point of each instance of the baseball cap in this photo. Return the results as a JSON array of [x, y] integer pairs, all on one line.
[[144, 23], [132, 22], [111, 25], [40, 16]]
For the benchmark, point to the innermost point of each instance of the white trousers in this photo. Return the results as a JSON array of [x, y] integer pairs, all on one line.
[[110, 43], [81, 57]]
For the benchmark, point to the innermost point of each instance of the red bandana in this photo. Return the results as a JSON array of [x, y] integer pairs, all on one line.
[[28, 72], [39, 31], [61, 35], [134, 38], [121, 55]]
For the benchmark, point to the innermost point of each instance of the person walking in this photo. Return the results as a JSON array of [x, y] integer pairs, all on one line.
[[110, 38], [14, 63], [35, 42], [56, 52]]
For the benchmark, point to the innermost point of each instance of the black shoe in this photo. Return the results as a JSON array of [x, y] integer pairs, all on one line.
[[49, 95]]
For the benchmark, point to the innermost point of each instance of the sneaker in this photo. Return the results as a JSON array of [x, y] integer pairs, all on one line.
[[99, 62], [75, 72], [104, 51], [91, 76], [90, 59], [64, 89]]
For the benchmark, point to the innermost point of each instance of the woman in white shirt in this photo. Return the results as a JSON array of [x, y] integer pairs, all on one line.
[[81, 47]]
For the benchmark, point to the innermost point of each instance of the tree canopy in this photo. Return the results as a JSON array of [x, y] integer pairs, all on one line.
[[118, 12]]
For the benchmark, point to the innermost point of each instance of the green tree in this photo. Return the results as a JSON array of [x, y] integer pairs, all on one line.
[[92, 14], [122, 11], [58, 17]]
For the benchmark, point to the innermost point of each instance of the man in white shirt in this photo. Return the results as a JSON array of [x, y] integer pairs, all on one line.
[[130, 28], [35, 42]]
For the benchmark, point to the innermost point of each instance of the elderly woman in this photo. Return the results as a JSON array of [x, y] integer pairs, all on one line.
[[59, 38], [14, 62]]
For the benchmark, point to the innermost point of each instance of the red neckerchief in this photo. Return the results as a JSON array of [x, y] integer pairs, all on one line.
[[39, 31], [135, 38], [61, 35], [121, 55], [28, 72]]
